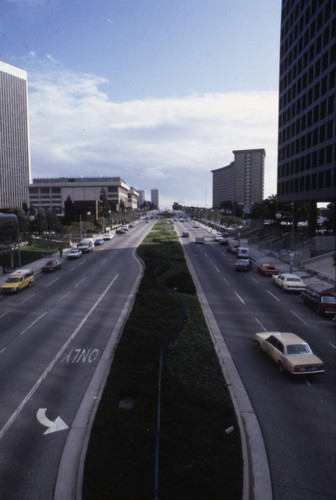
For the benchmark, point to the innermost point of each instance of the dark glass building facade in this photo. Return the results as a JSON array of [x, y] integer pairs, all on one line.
[[307, 102], [14, 137]]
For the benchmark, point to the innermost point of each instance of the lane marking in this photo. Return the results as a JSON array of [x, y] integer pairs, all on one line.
[[81, 281], [32, 391], [332, 345], [51, 282], [253, 279], [239, 297], [63, 297], [33, 323], [3, 314], [218, 271], [274, 297], [298, 317], [227, 281], [28, 298], [260, 323]]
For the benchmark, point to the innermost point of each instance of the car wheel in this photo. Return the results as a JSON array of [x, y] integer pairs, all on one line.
[[29, 285], [284, 289], [281, 367]]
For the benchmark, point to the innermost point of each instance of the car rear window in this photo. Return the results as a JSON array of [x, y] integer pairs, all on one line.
[[294, 279], [298, 349]]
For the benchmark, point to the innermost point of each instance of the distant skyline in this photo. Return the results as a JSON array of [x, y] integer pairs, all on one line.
[[159, 93]]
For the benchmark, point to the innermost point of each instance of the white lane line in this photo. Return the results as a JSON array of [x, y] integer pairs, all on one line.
[[51, 282], [218, 271], [103, 262], [28, 298], [81, 281], [239, 297], [227, 281], [33, 323], [332, 345], [3, 314], [253, 279], [260, 323], [32, 391], [298, 317], [274, 297], [64, 296]]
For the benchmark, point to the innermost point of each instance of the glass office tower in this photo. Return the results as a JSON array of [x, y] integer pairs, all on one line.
[[307, 108], [14, 137]]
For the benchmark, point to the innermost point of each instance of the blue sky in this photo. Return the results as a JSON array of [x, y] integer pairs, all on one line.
[[158, 92]]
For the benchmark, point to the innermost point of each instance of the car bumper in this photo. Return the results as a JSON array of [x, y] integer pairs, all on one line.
[[307, 372]]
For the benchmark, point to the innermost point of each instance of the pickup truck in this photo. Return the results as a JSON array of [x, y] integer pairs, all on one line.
[[322, 302], [17, 281]]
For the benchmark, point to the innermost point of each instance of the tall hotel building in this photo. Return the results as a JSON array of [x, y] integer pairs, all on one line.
[[14, 137], [242, 181], [307, 107]]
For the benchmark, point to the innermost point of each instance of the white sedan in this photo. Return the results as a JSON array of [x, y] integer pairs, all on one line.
[[289, 282], [290, 353]]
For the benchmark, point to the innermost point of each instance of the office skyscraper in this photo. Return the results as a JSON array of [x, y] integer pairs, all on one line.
[[155, 197], [14, 137], [307, 103]]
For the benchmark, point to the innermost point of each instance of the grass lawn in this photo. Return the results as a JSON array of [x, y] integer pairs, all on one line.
[[29, 253], [197, 459]]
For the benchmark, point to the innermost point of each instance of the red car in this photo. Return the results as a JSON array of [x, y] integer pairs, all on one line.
[[51, 265], [267, 269]]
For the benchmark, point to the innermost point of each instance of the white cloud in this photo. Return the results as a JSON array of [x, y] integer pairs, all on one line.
[[171, 144]]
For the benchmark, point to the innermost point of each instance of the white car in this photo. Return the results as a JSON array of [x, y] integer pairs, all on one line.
[[289, 282], [290, 353]]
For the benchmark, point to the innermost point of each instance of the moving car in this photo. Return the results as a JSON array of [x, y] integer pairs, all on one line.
[[200, 240], [267, 269], [120, 230], [321, 302], [218, 237], [289, 282], [185, 234], [51, 265], [290, 352], [107, 237], [232, 248], [74, 254], [17, 281], [242, 265], [196, 226], [243, 253]]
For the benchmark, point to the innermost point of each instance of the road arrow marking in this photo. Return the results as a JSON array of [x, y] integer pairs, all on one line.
[[57, 425]]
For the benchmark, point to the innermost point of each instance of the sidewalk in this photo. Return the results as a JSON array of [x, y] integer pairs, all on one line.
[[37, 264]]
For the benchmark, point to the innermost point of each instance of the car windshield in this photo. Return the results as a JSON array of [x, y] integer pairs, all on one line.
[[328, 300], [49, 263], [298, 349], [13, 280]]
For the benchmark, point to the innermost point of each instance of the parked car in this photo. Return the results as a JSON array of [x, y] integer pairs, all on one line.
[[218, 237], [290, 352], [289, 282], [51, 265], [200, 240], [224, 241], [321, 302], [99, 241], [242, 265], [17, 281], [74, 254], [267, 269], [185, 234], [107, 236], [86, 245], [232, 248], [196, 226]]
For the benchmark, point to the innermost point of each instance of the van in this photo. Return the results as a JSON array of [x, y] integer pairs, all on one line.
[[243, 253], [18, 280], [86, 245]]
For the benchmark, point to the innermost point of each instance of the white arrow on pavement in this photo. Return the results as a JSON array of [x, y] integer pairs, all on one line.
[[57, 425]]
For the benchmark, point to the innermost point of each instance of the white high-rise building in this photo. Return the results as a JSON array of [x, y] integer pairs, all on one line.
[[14, 137]]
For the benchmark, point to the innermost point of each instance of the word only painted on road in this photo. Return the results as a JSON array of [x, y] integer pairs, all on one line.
[[81, 356]]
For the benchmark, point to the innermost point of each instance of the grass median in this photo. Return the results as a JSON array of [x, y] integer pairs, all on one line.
[[198, 458]]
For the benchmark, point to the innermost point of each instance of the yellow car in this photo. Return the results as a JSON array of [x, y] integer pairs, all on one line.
[[17, 281], [290, 353]]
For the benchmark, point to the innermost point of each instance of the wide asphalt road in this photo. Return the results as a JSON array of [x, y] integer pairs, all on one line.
[[296, 415], [52, 337]]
